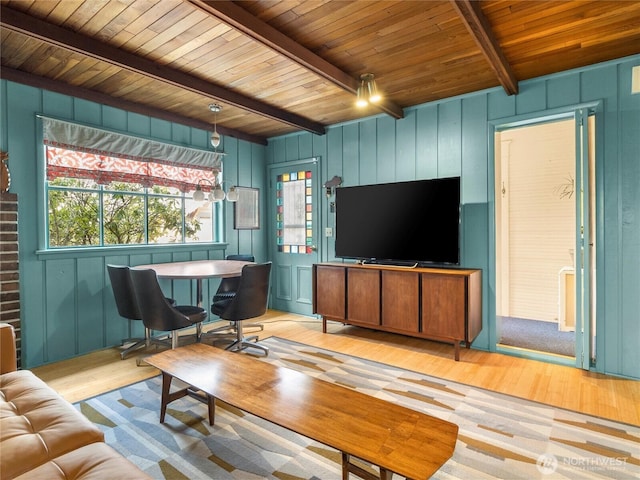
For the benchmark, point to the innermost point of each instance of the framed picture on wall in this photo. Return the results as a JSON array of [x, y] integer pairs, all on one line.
[[246, 213]]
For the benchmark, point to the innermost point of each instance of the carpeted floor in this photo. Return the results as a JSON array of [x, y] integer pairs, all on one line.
[[500, 436], [536, 335]]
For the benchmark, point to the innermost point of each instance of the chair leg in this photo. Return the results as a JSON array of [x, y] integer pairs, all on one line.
[[225, 333], [230, 329], [243, 345], [241, 342], [151, 340], [132, 348], [223, 328], [139, 343], [147, 336], [175, 338]]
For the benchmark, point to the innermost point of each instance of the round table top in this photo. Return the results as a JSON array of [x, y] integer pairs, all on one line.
[[197, 269]]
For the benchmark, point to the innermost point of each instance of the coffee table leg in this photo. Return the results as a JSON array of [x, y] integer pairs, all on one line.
[[345, 466], [348, 467], [166, 387], [211, 402]]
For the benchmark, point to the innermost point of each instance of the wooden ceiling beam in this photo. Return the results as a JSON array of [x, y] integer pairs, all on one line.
[[478, 25], [263, 33], [61, 37], [57, 86]]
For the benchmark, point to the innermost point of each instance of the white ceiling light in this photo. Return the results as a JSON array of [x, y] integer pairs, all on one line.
[[216, 192], [233, 194], [215, 136]]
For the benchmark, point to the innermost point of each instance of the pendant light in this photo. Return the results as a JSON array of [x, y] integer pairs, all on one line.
[[233, 194], [217, 194], [215, 136]]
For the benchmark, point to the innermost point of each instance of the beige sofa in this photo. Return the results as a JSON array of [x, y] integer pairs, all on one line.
[[42, 436]]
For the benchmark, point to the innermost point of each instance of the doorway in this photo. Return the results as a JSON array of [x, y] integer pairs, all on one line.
[[294, 234], [540, 279]]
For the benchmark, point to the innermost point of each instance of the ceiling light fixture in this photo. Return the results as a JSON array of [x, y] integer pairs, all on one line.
[[216, 193], [367, 91], [215, 136], [233, 194], [198, 195]]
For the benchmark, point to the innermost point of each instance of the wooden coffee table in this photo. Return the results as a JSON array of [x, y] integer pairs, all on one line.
[[395, 438]]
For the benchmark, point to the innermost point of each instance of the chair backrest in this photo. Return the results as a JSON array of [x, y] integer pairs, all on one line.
[[252, 295], [243, 257], [123, 292], [157, 312], [230, 284]]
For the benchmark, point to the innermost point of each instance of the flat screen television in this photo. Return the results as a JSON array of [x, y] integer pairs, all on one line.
[[415, 222]]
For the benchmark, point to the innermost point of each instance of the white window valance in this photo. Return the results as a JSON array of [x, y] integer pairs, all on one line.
[[93, 140], [77, 151]]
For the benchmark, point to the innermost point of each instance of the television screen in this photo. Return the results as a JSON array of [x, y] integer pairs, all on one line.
[[404, 222]]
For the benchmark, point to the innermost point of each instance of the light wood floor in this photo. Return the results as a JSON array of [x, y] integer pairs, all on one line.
[[571, 388]]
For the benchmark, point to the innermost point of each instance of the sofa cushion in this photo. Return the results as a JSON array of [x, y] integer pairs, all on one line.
[[36, 424], [96, 461]]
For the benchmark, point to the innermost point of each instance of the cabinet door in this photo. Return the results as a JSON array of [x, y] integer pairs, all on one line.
[[363, 303], [400, 301], [444, 303], [330, 291]]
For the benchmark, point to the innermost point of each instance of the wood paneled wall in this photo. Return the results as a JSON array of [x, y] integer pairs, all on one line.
[[67, 305], [453, 137]]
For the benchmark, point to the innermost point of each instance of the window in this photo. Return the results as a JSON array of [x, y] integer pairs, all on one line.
[[101, 198], [294, 226]]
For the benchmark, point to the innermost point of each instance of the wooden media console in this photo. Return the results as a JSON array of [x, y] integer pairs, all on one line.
[[443, 304]]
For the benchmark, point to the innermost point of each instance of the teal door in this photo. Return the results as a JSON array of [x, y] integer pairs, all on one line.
[[294, 234], [585, 293]]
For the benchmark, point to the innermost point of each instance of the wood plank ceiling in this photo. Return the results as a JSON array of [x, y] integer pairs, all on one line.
[[283, 66]]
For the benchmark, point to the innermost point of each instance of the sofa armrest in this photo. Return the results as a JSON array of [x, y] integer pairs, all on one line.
[[8, 359]]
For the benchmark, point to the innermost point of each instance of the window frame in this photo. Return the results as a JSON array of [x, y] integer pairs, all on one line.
[[43, 248]]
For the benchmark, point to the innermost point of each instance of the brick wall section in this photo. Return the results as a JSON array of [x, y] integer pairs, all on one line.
[[9, 273]]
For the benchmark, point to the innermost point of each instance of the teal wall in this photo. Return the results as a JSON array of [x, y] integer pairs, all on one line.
[[452, 137], [67, 306]]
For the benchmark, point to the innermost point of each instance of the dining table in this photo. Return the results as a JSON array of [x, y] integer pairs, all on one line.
[[197, 270]]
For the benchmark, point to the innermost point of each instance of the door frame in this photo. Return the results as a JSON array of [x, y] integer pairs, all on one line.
[[583, 359]]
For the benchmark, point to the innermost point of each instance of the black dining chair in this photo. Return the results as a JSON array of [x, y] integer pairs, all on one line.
[[157, 313], [127, 306], [250, 301], [229, 286], [227, 290]]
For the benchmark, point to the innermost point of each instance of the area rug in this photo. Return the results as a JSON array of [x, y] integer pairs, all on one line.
[[500, 436]]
